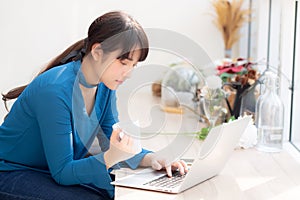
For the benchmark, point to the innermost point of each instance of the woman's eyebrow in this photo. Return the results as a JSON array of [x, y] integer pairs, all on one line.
[[130, 59]]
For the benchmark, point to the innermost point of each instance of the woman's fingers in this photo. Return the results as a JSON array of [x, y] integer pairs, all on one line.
[[130, 142], [128, 145], [181, 166], [185, 166], [169, 170], [178, 166], [115, 135], [125, 140]]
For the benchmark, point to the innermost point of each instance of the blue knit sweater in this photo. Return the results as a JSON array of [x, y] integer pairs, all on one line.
[[48, 129]]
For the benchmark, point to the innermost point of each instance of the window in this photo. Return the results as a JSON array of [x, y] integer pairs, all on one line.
[[275, 37], [295, 114]]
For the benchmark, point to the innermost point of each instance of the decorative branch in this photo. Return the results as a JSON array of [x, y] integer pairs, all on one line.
[[229, 18]]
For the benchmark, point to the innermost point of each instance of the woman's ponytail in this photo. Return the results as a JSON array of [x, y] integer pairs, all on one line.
[[74, 52]]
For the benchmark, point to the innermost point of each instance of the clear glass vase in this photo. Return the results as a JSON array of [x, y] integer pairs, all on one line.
[[213, 105]]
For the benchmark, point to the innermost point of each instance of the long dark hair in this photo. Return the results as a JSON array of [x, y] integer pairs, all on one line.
[[114, 30]]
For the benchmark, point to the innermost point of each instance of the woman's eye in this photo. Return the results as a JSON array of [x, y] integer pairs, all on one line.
[[127, 63], [123, 63]]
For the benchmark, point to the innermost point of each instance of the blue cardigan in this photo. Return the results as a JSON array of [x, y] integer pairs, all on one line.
[[49, 130]]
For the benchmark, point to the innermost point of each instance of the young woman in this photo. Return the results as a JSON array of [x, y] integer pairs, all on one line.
[[44, 139]]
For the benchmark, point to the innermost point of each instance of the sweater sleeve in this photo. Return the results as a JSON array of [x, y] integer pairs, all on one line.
[[55, 121]]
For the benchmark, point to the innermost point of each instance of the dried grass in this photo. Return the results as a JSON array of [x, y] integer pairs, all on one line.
[[229, 18]]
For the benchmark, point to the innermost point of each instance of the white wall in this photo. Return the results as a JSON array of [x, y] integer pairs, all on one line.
[[34, 31]]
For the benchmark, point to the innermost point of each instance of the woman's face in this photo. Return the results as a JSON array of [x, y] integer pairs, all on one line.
[[117, 71]]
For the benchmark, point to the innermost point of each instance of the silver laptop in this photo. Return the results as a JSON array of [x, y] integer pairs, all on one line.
[[214, 153]]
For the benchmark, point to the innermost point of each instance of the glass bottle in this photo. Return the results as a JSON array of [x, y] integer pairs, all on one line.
[[261, 81], [270, 116]]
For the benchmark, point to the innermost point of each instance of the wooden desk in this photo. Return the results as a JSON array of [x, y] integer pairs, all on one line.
[[249, 174]]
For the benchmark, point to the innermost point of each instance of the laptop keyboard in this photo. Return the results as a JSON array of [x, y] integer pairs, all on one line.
[[166, 181]]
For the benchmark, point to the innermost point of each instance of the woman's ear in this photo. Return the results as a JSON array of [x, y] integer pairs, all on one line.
[[97, 52]]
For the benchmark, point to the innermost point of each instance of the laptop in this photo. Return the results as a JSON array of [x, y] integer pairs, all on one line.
[[214, 153]]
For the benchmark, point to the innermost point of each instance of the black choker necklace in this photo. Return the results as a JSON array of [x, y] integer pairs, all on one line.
[[83, 82]]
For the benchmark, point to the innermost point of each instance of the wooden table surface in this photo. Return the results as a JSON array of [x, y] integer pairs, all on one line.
[[249, 174]]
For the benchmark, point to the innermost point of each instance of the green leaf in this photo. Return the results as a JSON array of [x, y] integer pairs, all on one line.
[[232, 118], [203, 133]]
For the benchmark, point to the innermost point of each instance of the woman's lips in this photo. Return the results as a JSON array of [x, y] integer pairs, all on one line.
[[119, 81]]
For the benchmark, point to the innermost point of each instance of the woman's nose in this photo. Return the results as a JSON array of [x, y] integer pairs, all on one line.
[[127, 73]]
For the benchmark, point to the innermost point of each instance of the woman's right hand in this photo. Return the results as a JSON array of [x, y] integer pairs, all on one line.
[[120, 148]]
